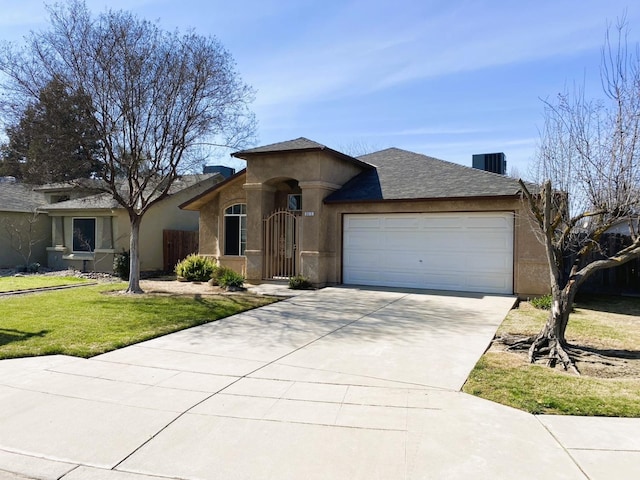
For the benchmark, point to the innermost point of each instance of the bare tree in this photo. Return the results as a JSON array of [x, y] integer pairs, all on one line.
[[24, 234], [156, 96], [357, 148], [589, 168]]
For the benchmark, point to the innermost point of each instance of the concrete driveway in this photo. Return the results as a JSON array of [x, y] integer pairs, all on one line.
[[342, 383]]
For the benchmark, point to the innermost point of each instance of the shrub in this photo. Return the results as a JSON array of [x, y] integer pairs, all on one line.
[[230, 279], [218, 271], [121, 265], [543, 302], [195, 268], [299, 283]]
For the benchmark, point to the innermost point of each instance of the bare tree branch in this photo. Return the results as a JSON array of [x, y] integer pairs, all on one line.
[[156, 97]]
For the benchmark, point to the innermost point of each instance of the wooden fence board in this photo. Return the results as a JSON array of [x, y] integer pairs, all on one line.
[[176, 245]]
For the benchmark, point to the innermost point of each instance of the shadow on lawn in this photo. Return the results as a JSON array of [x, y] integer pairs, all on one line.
[[8, 335], [623, 305], [611, 353]]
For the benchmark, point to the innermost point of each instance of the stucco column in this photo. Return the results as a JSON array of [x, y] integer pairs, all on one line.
[[318, 246], [260, 198]]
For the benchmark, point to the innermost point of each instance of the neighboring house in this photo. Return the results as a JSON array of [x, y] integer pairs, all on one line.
[[24, 233], [88, 230], [390, 218]]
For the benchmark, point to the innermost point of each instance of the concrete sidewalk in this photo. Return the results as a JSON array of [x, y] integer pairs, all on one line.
[[341, 383]]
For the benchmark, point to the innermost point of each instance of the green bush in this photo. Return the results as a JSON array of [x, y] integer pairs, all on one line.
[[230, 279], [543, 302], [299, 283], [121, 265], [195, 268]]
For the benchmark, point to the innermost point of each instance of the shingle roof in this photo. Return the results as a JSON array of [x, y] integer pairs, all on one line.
[[299, 144], [104, 201], [100, 201], [19, 197], [400, 174]]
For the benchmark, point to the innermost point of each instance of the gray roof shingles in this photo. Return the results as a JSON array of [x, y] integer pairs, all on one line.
[[19, 197], [301, 145], [404, 175], [297, 144], [104, 201]]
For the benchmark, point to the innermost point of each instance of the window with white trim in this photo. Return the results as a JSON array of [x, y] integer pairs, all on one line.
[[84, 234], [235, 229]]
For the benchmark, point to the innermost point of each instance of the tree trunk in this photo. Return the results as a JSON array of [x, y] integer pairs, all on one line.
[[134, 255], [551, 342]]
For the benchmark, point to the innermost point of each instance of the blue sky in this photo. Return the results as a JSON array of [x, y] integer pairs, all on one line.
[[443, 78]]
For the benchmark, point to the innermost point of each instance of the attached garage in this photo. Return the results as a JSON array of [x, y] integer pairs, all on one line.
[[470, 252], [388, 218]]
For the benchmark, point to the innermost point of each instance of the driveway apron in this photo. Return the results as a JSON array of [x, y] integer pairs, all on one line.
[[341, 383]]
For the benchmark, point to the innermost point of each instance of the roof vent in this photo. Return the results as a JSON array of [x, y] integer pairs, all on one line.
[[226, 172], [491, 162]]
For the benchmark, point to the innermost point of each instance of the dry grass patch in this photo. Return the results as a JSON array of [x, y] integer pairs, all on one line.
[[606, 332]]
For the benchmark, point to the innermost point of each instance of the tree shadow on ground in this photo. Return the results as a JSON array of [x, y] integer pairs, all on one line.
[[623, 305], [9, 335], [609, 352]]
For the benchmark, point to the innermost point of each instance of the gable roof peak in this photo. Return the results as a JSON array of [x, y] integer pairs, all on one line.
[[300, 144]]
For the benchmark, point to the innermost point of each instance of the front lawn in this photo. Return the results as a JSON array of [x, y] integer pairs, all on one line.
[[608, 330], [92, 320], [28, 282]]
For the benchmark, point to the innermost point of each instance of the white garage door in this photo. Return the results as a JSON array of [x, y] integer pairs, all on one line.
[[470, 252]]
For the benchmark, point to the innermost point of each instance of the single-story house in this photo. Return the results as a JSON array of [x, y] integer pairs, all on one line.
[[88, 230], [390, 218], [24, 232]]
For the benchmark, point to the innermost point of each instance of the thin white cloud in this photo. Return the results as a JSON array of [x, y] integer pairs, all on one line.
[[465, 37]]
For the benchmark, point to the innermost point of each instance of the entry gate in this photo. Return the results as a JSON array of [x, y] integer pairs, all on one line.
[[280, 245]]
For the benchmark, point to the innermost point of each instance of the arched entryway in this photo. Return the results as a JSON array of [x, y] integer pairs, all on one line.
[[282, 232]]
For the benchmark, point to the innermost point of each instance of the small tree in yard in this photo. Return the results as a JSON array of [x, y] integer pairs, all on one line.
[[23, 234], [156, 98], [589, 167]]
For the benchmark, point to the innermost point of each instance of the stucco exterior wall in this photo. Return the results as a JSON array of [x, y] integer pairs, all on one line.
[[111, 238], [530, 271], [114, 238], [40, 233], [211, 231], [320, 248], [163, 216]]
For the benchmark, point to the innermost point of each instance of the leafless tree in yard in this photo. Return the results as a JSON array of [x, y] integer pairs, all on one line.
[[589, 170], [156, 97], [23, 234]]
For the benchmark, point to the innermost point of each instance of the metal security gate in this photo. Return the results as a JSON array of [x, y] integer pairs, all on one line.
[[280, 245]]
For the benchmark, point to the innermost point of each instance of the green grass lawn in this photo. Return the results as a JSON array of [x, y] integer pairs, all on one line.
[[28, 282], [606, 324], [95, 319]]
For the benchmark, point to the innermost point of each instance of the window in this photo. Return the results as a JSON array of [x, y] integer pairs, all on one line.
[[294, 202], [84, 234], [235, 229]]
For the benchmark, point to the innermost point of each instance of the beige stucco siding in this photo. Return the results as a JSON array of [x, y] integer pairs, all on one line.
[[530, 272], [163, 216], [113, 232], [316, 174], [302, 166], [211, 234]]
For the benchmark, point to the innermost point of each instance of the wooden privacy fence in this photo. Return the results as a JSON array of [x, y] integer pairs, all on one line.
[[624, 279], [176, 245]]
